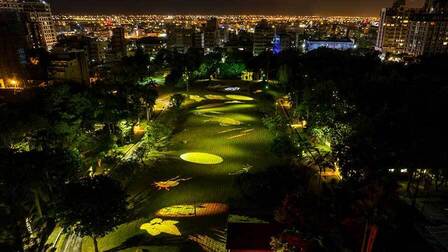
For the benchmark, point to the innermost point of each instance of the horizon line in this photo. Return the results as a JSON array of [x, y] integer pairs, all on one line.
[[209, 15]]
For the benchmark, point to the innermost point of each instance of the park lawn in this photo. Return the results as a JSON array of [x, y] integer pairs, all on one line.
[[210, 129], [54, 236], [122, 237]]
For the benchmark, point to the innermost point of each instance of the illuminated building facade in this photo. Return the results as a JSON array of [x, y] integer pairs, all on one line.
[[40, 16], [428, 35], [277, 45], [393, 30], [415, 32], [337, 44], [287, 40]]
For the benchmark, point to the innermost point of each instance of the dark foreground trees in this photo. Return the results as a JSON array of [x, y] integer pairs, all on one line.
[[30, 183], [379, 123], [92, 206], [52, 135]]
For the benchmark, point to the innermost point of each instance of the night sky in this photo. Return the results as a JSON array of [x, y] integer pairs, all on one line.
[[292, 7]]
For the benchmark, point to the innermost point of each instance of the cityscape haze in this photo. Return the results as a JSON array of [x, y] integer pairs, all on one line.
[[221, 7]]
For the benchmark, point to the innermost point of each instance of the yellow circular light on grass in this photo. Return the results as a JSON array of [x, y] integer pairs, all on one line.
[[240, 97], [201, 158]]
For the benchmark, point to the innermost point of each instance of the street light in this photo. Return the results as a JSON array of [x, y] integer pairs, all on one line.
[[14, 83]]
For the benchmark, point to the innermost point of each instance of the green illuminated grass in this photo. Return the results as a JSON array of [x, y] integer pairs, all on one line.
[[209, 128], [215, 97], [224, 121], [220, 107], [240, 97]]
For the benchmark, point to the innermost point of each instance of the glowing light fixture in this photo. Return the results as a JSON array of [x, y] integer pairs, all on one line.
[[138, 130]]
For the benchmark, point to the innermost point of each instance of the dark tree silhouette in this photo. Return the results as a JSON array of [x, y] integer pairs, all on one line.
[[92, 206]]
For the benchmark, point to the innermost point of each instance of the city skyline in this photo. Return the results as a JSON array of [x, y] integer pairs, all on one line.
[[267, 7]]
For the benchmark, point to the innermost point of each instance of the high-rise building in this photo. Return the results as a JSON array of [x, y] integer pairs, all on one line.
[[263, 37], [96, 50], [284, 39], [414, 31], [118, 43], [92, 46], [39, 13], [14, 42], [180, 40], [211, 35], [428, 33], [223, 36], [69, 66], [393, 29], [436, 6], [198, 40], [151, 45], [241, 41]]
